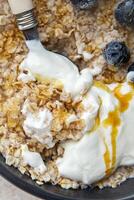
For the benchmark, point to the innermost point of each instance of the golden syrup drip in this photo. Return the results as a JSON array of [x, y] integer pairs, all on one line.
[[107, 159], [102, 86], [114, 121], [96, 125], [124, 99]]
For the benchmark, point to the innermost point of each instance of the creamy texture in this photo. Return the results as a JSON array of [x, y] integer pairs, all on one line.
[[83, 160], [49, 65], [33, 159], [37, 125], [109, 144], [91, 104]]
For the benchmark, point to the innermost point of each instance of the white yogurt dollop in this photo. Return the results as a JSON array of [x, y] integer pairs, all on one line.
[[105, 148], [49, 65], [33, 159], [83, 160], [91, 105], [37, 125]]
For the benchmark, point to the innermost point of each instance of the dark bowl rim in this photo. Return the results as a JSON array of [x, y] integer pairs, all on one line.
[[24, 185], [21, 181]]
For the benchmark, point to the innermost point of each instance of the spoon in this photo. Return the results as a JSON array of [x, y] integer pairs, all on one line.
[[44, 63]]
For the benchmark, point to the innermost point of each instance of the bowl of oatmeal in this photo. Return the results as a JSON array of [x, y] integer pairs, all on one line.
[[66, 131]]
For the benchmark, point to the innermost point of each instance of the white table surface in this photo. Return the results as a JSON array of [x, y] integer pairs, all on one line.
[[10, 192]]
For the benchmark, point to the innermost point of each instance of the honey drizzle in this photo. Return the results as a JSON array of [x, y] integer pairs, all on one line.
[[102, 86], [107, 159], [114, 121], [109, 122], [124, 99]]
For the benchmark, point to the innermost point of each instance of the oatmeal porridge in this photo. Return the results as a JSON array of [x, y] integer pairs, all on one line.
[[46, 127]]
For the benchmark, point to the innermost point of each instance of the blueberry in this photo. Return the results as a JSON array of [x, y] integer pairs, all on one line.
[[124, 13], [131, 68], [85, 4], [130, 75], [116, 53]]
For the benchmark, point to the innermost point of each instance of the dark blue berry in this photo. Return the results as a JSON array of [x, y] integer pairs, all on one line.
[[131, 68], [130, 75], [116, 53], [124, 13], [85, 4]]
